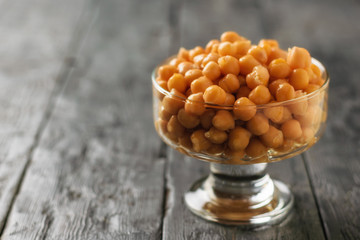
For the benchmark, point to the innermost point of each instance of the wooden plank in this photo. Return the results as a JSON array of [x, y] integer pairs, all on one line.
[[98, 171], [179, 223], [34, 37]]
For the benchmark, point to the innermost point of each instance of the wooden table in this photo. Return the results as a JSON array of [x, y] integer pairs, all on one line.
[[80, 158]]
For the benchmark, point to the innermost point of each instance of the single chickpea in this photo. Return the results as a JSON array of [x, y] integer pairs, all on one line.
[[315, 70], [216, 136], [185, 66], [312, 116], [229, 64], [243, 91], [215, 94], [291, 129], [311, 88], [260, 95], [258, 53], [258, 76], [242, 47], [278, 68], [210, 44], [173, 103], [258, 125], [274, 85], [211, 70], [211, 57], [215, 149], [239, 139], [195, 51], [287, 146], [161, 126], [307, 135], [198, 59], [195, 104], [277, 53], [227, 48], [185, 141], [166, 71], [255, 148], [163, 114], [273, 138], [286, 116], [200, 84], [174, 127], [223, 120], [235, 156], [199, 141], [244, 109], [299, 79], [178, 82], [298, 58], [176, 61], [247, 63], [285, 92], [188, 120], [230, 37], [299, 107], [230, 83], [206, 118], [191, 75], [230, 99], [183, 53], [275, 114], [268, 45], [163, 85]]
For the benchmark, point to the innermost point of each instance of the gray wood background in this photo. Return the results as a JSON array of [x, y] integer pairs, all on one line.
[[79, 158]]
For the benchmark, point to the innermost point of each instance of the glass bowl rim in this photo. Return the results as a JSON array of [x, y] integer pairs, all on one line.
[[259, 106]]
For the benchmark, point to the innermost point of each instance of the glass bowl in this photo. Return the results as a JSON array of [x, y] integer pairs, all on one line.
[[238, 191]]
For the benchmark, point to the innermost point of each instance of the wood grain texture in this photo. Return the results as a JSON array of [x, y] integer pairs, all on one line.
[[98, 171], [34, 37], [179, 222]]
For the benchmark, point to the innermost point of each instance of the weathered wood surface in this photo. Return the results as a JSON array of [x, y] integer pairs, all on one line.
[[34, 39]]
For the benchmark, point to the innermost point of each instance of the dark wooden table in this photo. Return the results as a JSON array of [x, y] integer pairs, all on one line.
[[80, 158]]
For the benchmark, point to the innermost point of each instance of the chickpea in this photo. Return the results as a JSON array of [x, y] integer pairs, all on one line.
[[178, 82], [163, 114], [315, 70], [277, 53], [176, 61], [216, 136], [274, 85], [239, 138], [299, 107], [230, 37], [183, 67], [242, 47], [287, 146], [229, 64], [174, 127], [162, 84], [183, 53], [188, 120], [311, 88], [173, 103], [268, 45], [206, 118], [195, 51], [215, 94], [243, 91], [255, 148], [227, 48], [278, 68], [212, 70], [236, 156], [312, 116], [260, 95], [211, 57], [307, 135], [200, 84], [216, 149], [185, 141], [199, 59], [210, 45], [223, 120], [230, 99], [299, 79], [298, 58], [258, 53], [244, 109], [199, 141], [275, 114], [286, 116], [258, 76], [285, 92], [291, 129], [273, 138], [195, 104], [258, 125], [230, 83], [191, 75], [247, 63], [166, 71], [161, 126]]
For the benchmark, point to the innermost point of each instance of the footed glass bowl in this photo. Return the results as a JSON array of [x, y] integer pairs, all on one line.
[[238, 191]]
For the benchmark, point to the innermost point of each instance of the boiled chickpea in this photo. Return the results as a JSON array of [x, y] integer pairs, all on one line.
[[229, 64], [210, 45], [315, 70], [162, 83], [163, 114], [185, 141], [258, 125], [278, 68], [291, 129], [287, 146], [176, 61], [258, 76], [223, 120], [183, 53], [244, 109], [215, 149], [188, 120], [199, 141], [299, 107], [268, 45], [285, 92], [227, 48], [260, 95], [307, 135], [242, 47], [200, 84], [299, 79], [273, 138], [195, 51], [298, 58], [243, 91], [312, 116], [191, 75], [211, 57], [230, 37], [212, 70], [166, 71], [174, 127], [277, 53], [236, 156], [239, 138], [161, 126], [311, 88], [183, 67], [216, 136], [230, 83], [275, 114], [255, 148], [247, 64], [178, 82], [230, 99], [206, 118], [286, 116], [199, 59], [215, 94], [274, 85], [195, 104], [258, 53], [173, 103]]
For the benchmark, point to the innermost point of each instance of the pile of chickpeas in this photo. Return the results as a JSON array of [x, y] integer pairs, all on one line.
[[239, 101]]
